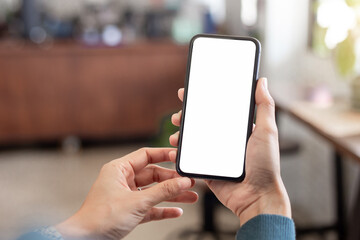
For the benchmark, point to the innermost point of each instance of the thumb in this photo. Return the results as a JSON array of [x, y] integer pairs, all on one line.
[[265, 115], [167, 189]]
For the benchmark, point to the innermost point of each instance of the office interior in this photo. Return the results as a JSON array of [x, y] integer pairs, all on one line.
[[84, 82]]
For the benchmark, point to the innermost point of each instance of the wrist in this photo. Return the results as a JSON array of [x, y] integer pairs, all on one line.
[[74, 228], [274, 202]]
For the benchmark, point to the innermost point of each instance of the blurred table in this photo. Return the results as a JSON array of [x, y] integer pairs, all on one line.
[[339, 125]]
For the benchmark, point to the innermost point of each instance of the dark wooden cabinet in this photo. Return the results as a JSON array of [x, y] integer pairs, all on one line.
[[92, 93]]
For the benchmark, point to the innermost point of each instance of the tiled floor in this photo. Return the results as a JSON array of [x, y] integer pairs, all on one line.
[[43, 187]]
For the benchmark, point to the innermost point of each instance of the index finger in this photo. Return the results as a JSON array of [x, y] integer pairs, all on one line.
[[265, 115], [145, 156], [181, 94]]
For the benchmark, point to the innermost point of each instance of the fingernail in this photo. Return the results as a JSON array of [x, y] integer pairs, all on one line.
[[265, 83], [172, 154], [184, 183], [181, 211], [192, 182]]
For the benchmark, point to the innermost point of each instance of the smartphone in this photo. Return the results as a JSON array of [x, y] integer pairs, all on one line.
[[218, 106]]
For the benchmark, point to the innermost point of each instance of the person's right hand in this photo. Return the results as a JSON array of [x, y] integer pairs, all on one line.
[[262, 191], [115, 206]]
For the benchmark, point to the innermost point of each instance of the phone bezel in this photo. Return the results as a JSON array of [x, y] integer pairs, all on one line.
[[251, 107]]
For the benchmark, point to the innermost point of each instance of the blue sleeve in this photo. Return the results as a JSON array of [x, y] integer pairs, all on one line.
[[45, 233], [267, 227]]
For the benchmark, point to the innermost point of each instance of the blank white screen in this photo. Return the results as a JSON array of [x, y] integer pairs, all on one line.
[[217, 107]]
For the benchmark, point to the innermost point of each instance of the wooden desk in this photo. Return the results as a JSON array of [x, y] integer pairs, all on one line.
[[339, 125]]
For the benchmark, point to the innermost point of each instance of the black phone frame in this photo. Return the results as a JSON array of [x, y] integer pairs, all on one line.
[[251, 108]]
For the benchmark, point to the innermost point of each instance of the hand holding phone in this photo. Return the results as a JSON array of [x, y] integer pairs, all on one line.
[[220, 85], [262, 191]]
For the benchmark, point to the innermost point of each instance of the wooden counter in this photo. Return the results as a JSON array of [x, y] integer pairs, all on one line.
[[93, 93]]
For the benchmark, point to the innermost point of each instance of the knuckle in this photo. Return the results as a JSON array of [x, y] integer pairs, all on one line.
[[270, 103], [168, 189], [108, 168], [143, 205], [156, 174], [272, 130], [105, 167], [143, 149], [269, 130]]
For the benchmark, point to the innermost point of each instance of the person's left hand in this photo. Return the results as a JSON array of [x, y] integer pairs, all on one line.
[[115, 206]]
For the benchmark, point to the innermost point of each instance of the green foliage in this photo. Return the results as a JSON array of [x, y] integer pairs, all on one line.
[[166, 129], [344, 52], [318, 41], [345, 56], [352, 3]]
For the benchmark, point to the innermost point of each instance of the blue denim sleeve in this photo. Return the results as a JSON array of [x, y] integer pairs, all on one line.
[[267, 227], [45, 233]]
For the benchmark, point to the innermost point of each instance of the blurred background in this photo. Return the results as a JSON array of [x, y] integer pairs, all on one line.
[[84, 82]]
